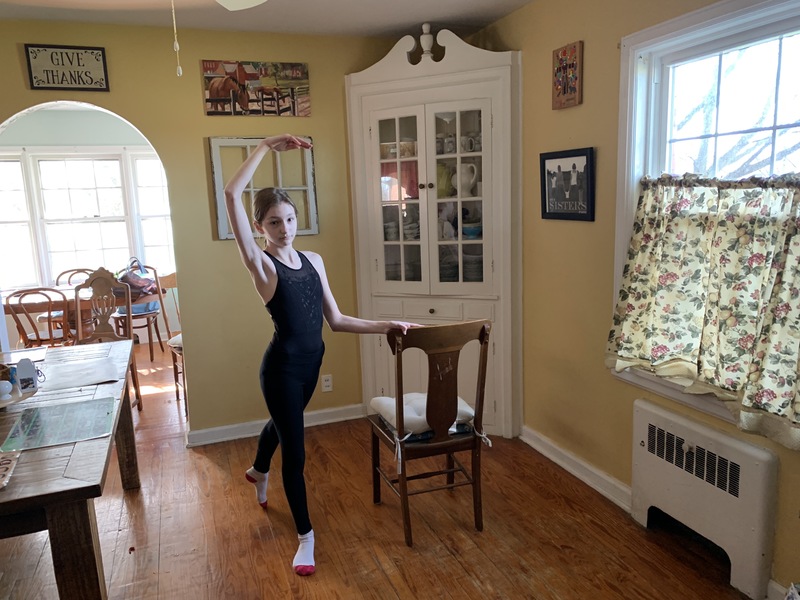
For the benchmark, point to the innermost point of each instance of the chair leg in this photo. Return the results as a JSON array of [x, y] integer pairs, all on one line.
[[175, 375], [403, 485], [158, 333], [137, 390], [148, 323], [376, 463], [477, 505], [185, 395]]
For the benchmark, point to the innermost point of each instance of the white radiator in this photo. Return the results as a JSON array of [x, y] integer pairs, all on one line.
[[720, 487]]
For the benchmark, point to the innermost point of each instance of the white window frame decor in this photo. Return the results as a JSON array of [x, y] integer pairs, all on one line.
[[642, 122], [221, 172]]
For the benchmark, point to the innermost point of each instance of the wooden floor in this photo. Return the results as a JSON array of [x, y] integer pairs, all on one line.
[[194, 529]]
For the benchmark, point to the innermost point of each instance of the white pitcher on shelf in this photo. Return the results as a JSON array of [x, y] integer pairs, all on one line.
[[465, 178]]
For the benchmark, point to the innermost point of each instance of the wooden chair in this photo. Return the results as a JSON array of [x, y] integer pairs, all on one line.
[[170, 284], [69, 277], [146, 318], [442, 344], [25, 304], [103, 286]]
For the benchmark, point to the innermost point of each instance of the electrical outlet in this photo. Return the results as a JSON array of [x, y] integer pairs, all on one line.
[[327, 383]]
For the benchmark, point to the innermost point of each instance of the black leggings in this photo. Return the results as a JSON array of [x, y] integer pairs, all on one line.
[[287, 382]]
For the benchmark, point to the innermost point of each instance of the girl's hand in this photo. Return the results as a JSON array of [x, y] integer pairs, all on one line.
[[280, 143], [402, 325]]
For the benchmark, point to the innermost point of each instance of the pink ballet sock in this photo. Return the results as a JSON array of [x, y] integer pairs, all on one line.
[[259, 480], [303, 562]]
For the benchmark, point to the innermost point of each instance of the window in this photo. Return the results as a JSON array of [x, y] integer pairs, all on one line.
[[715, 93], [85, 208]]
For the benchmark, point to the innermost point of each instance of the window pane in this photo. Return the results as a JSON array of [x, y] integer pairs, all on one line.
[[693, 106], [80, 174], [110, 202], [744, 155], [84, 203], [149, 173], [156, 232], [789, 90], [160, 257], [10, 175], [152, 201], [107, 173], [114, 234], [56, 204], [60, 237], [787, 151], [692, 156], [53, 174], [16, 241], [741, 70], [13, 206], [87, 236]]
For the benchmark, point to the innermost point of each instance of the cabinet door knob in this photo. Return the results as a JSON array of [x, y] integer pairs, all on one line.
[[431, 310], [422, 186], [430, 186]]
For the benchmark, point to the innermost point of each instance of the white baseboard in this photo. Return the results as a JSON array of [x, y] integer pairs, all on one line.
[[613, 489], [212, 435]]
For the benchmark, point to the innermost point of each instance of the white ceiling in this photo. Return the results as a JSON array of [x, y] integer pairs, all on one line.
[[391, 18]]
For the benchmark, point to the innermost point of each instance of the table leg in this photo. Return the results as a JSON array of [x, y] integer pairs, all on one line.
[[77, 559], [126, 444]]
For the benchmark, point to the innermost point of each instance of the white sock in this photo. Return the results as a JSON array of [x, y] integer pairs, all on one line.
[[259, 480], [303, 562]]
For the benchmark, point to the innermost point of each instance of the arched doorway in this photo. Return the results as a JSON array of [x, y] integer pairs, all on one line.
[[79, 187]]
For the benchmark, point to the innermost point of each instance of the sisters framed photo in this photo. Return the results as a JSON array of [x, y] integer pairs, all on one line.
[[567, 180]]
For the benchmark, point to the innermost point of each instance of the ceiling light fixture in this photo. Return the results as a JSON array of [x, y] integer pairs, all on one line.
[[240, 4]]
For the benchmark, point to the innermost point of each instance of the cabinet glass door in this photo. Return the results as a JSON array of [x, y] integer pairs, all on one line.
[[400, 148], [461, 258]]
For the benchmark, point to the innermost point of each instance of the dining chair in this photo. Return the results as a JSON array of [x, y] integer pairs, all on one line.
[[145, 313], [106, 291], [169, 283], [25, 305], [435, 422], [70, 277]]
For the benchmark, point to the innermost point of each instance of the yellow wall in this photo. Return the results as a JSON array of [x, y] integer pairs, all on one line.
[[568, 267], [226, 329]]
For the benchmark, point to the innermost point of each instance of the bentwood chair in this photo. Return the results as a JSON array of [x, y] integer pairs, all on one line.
[[24, 306], [145, 312], [434, 423], [170, 284], [70, 277], [105, 290]]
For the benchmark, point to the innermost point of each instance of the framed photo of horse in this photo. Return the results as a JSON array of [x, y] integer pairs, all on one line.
[[251, 88]]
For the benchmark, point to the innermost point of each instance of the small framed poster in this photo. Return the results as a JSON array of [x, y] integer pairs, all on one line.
[[568, 75], [567, 180], [67, 67]]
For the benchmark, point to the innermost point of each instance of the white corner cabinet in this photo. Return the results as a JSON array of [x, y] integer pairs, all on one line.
[[434, 149]]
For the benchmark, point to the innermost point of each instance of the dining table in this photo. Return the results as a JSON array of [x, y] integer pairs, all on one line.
[[58, 443]]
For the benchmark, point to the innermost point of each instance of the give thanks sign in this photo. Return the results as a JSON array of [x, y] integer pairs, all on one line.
[[67, 68]]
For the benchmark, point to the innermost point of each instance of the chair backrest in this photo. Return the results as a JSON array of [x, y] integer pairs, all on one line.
[[442, 344], [169, 282], [103, 285], [153, 272], [25, 304], [73, 276]]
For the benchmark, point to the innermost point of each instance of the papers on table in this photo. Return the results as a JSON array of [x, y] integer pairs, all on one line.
[[71, 374]]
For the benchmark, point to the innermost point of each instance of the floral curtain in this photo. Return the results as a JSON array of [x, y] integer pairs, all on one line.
[[710, 295]]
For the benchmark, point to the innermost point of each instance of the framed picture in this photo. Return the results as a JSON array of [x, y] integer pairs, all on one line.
[[568, 75], [568, 184]]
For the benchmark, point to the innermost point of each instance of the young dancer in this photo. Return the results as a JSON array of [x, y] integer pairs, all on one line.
[[294, 287]]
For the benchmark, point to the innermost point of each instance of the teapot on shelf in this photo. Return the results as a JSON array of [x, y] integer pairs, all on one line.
[[464, 179]]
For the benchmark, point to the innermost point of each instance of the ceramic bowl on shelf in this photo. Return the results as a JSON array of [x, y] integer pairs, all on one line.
[[471, 231]]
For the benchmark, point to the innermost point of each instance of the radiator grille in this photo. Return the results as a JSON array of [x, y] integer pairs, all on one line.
[[703, 464]]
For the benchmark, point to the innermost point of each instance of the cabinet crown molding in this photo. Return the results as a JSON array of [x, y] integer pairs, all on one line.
[[457, 56]]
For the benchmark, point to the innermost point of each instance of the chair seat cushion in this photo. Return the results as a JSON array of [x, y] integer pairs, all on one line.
[[176, 342], [139, 310], [414, 419]]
